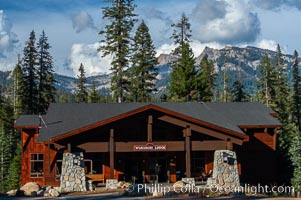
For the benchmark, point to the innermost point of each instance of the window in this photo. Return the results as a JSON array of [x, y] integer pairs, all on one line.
[[58, 169], [36, 165]]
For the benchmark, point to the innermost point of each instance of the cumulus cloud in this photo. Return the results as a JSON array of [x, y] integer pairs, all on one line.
[[235, 24], [196, 46], [88, 55], [266, 44], [208, 10], [159, 24], [165, 49], [8, 39], [82, 21]]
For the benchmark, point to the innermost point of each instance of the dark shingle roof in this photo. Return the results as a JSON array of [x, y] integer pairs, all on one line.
[[27, 120], [65, 117]]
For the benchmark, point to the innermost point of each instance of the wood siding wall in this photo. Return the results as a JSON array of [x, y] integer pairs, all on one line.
[[258, 158], [29, 146]]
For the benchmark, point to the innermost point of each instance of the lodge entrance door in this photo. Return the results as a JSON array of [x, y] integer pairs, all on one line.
[[147, 167], [155, 170]]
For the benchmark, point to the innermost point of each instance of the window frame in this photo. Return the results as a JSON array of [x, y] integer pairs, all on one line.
[[38, 160]]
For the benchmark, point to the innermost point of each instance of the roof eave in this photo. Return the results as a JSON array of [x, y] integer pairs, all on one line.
[[27, 127], [144, 108]]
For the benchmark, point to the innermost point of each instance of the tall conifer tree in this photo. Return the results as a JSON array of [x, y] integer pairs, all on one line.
[[206, 79], [181, 34], [81, 93], [117, 41], [14, 174], [238, 92], [143, 71], [29, 66], [266, 82], [183, 76], [94, 97], [296, 106], [18, 89], [46, 89], [295, 144], [8, 141], [281, 102]]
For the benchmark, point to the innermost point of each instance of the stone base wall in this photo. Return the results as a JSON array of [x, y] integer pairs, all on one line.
[[225, 170], [73, 173]]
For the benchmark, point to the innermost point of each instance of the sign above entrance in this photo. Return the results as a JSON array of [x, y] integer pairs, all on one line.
[[150, 147]]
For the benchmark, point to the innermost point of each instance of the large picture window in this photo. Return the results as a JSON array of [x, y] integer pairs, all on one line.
[[36, 165]]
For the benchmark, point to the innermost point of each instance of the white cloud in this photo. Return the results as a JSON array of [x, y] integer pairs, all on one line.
[[8, 44], [266, 44], [82, 21], [8, 39], [165, 49], [196, 46], [238, 24], [88, 55]]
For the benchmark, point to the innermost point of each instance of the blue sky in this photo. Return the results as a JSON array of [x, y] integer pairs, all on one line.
[[72, 27]]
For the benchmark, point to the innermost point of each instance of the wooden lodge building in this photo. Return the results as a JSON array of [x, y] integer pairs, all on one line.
[[147, 141]]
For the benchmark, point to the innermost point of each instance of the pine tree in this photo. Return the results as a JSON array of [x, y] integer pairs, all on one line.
[[296, 106], [18, 89], [29, 64], [143, 71], [266, 82], [117, 41], [82, 93], [295, 136], [281, 102], [8, 141], [295, 157], [93, 94], [46, 89], [181, 34], [238, 92], [14, 174], [183, 76], [206, 79]]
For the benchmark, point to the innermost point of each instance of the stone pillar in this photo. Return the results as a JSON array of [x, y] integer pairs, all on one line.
[[73, 173], [225, 170]]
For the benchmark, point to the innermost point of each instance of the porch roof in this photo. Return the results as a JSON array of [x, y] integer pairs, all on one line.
[[62, 118]]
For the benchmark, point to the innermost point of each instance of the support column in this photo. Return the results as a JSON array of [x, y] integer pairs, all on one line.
[[229, 144], [187, 134], [111, 153], [150, 128], [69, 147]]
